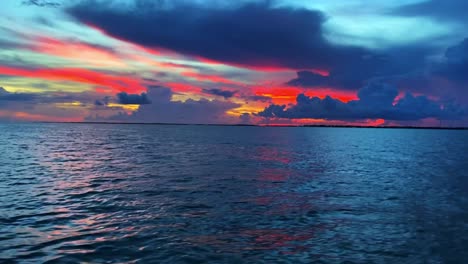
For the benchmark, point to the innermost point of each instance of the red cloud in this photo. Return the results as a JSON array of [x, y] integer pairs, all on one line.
[[120, 83], [288, 94], [77, 51], [98, 55], [184, 88]]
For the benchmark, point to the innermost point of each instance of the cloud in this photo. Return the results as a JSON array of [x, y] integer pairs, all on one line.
[[376, 101], [249, 34], [458, 54], [348, 79], [219, 92], [245, 119], [377, 95], [102, 102], [137, 99], [394, 61], [307, 78], [12, 97], [258, 35], [93, 54], [79, 75], [41, 3], [11, 45], [164, 110], [99, 103], [257, 98], [456, 65], [437, 9], [47, 106], [444, 78]]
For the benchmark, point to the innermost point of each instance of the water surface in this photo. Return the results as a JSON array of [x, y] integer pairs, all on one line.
[[204, 194]]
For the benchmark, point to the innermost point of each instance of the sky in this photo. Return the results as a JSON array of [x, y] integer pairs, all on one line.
[[264, 62]]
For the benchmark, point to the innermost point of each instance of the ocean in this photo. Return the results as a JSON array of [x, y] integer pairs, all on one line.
[[116, 193]]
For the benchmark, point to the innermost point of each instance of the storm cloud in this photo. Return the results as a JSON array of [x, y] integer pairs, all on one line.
[[397, 61], [12, 97], [219, 92], [456, 65], [137, 99], [376, 101], [164, 110], [251, 34]]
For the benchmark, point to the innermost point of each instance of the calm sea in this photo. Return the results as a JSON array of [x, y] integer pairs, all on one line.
[[87, 193]]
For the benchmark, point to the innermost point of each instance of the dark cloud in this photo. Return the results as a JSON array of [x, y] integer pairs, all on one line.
[[12, 97], [376, 95], [444, 78], [257, 98], [219, 92], [164, 110], [438, 9], [458, 54], [250, 34], [376, 101], [46, 106], [306, 78], [347, 79], [254, 35], [102, 102], [10, 45], [137, 99], [456, 65], [392, 62], [245, 119], [41, 3]]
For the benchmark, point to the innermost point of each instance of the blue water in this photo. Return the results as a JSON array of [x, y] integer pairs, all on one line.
[[86, 193]]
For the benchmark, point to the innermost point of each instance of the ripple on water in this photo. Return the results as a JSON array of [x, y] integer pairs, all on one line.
[[73, 193]]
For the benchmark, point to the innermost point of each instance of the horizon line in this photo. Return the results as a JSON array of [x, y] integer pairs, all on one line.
[[239, 125]]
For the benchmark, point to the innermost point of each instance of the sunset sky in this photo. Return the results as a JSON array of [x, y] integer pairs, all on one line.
[[272, 62]]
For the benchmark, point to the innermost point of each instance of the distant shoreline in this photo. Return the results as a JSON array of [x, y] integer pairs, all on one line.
[[245, 125]]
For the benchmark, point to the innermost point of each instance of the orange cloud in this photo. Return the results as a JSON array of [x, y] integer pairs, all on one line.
[[120, 83], [342, 95], [184, 88], [279, 95], [288, 94], [77, 51]]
